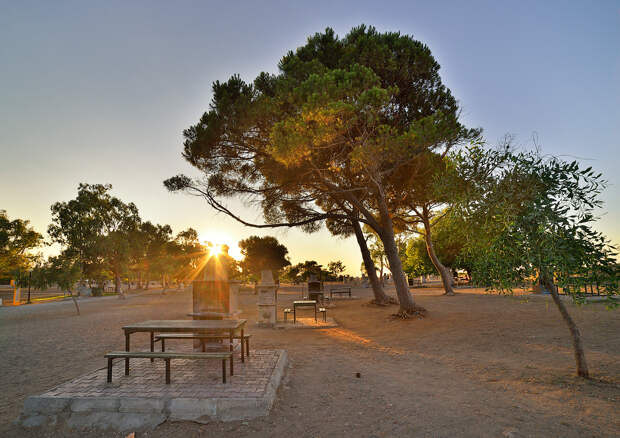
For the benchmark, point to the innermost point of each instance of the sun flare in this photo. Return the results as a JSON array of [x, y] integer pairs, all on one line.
[[216, 250], [217, 242]]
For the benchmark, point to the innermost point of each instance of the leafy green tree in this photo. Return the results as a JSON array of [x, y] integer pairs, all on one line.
[[533, 216], [291, 274], [416, 261], [62, 271], [309, 268], [156, 249], [94, 228], [424, 207], [332, 136], [336, 268], [17, 239], [448, 245], [261, 253]]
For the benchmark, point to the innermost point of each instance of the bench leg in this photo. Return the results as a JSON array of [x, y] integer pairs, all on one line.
[[242, 349], [163, 345], [294, 315], [127, 349], [247, 346], [231, 365], [152, 344], [109, 370], [167, 371], [224, 370]]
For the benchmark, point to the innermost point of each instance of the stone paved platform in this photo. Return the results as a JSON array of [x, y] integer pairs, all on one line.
[[143, 400]]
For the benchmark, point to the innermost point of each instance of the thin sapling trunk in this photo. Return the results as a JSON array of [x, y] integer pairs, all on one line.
[[446, 277], [580, 357]]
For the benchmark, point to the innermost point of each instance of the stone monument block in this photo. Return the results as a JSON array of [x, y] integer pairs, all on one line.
[[267, 300]]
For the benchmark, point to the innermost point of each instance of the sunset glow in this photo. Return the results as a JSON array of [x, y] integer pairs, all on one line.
[[218, 240]]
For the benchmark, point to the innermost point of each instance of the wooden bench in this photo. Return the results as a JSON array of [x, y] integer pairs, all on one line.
[[203, 337], [340, 290], [167, 356], [323, 310]]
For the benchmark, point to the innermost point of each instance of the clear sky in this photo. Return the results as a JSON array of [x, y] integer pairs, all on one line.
[[100, 92]]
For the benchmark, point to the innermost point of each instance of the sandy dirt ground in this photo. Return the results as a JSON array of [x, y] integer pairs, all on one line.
[[479, 365]]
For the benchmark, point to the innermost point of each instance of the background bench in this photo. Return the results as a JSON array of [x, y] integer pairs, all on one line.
[[339, 290]]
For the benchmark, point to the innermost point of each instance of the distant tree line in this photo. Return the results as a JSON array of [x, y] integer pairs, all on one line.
[[102, 238]]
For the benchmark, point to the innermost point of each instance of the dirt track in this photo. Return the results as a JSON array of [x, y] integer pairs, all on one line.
[[478, 365]]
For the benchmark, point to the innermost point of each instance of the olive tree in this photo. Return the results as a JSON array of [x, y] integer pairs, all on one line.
[[532, 216]]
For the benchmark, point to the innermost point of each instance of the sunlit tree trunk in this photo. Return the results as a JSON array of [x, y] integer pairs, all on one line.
[[405, 299], [580, 357], [446, 277], [371, 270]]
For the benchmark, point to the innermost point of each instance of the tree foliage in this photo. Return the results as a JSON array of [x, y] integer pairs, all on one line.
[[336, 267], [95, 228], [449, 242], [532, 216], [262, 253], [333, 136], [17, 239], [301, 272]]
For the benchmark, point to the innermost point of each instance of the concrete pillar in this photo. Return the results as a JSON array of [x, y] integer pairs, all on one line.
[[233, 299], [266, 290]]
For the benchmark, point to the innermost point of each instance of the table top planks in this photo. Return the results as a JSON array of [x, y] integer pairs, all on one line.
[[189, 326]]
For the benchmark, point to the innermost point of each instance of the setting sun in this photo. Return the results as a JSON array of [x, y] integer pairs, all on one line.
[[216, 241], [216, 250]]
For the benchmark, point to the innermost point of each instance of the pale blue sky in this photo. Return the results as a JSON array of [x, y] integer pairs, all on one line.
[[100, 92]]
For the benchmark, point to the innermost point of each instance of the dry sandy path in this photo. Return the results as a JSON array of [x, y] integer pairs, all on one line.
[[478, 365]]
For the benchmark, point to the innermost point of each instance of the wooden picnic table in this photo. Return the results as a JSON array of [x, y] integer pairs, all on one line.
[[184, 326]]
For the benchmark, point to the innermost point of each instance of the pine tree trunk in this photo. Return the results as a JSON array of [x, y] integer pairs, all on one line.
[[405, 298], [446, 278], [377, 290], [580, 357]]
